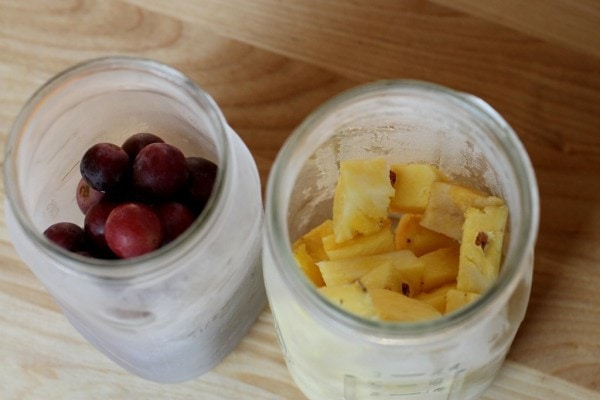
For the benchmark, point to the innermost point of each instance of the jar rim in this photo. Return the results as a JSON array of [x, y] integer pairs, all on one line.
[[161, 260], [278, 192]]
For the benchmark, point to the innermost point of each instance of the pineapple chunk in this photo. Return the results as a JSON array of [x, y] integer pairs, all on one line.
[[481, 248], [340, 272], [385, 276], [437, 298], [362, 245], [412, 276], [411, 235], [307, 265], [456, 299], [361, 199], [412, 186], [313, 240], [394, 306], [447, 205], [441, 267], [351, 297]]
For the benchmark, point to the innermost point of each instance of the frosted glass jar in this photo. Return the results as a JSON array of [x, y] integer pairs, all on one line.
[[172, 314], [335, 355]]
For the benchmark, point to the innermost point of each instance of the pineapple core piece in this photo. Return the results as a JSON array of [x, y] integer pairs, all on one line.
[[412, 186], [381, 241], [411, 235], [361, 199], [351, 297], [394, 306], [481, 248], [445, 212], [456, 299]]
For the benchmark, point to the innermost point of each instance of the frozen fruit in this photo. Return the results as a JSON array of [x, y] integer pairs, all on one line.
[[202, 177], [137, 142], [86, 196], [411, 235], [160, 171], [94, 225], [381, 241], [105, 166], [67, 235], [385, 276], [448, 202], [352, 297], [440, 267], [394, 306], [133, 229], [348, 270], [307, 265], [314, 240], [437, 298], [481, 248], [445, 249], [175, 218], [156, 177], [456, 299], [412, 185], [361, 199]]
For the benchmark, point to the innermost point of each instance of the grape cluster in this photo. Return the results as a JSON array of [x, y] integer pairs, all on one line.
[[135, 197]]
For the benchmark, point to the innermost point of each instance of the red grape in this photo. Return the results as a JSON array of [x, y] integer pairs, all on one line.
[[175, 218], [160, 171], [137, 142], [87, 196], [135, 198], [67, 235], [202, 180], [133, 229], [94, 226], [105, 166]]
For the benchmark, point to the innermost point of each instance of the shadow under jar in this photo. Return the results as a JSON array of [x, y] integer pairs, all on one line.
[[335, 355], [172, 314]]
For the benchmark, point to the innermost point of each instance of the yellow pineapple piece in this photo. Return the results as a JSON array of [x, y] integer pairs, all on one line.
[[441, 267], [307, 265], [412, 186], [313, 240], [456, 299], [348, 270], [394, 306], [447, 205], [412, 277], [411, 235], [437, 297], [361, 199], [481, 248], [381, 241], [385, 276], [351, 297]]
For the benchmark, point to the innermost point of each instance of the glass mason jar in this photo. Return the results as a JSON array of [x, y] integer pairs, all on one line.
[[333, 354], [172, 314]]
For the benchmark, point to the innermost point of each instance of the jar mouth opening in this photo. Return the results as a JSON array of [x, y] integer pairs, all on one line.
[[161, 260], [283, 177]]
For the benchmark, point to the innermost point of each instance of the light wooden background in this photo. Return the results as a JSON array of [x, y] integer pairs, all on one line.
[[269, 63]]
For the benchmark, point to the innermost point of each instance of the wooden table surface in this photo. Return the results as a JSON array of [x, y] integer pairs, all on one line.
[[268, 64]]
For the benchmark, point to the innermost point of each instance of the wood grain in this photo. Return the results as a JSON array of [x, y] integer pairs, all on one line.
[[571, 24], [268, 64]]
